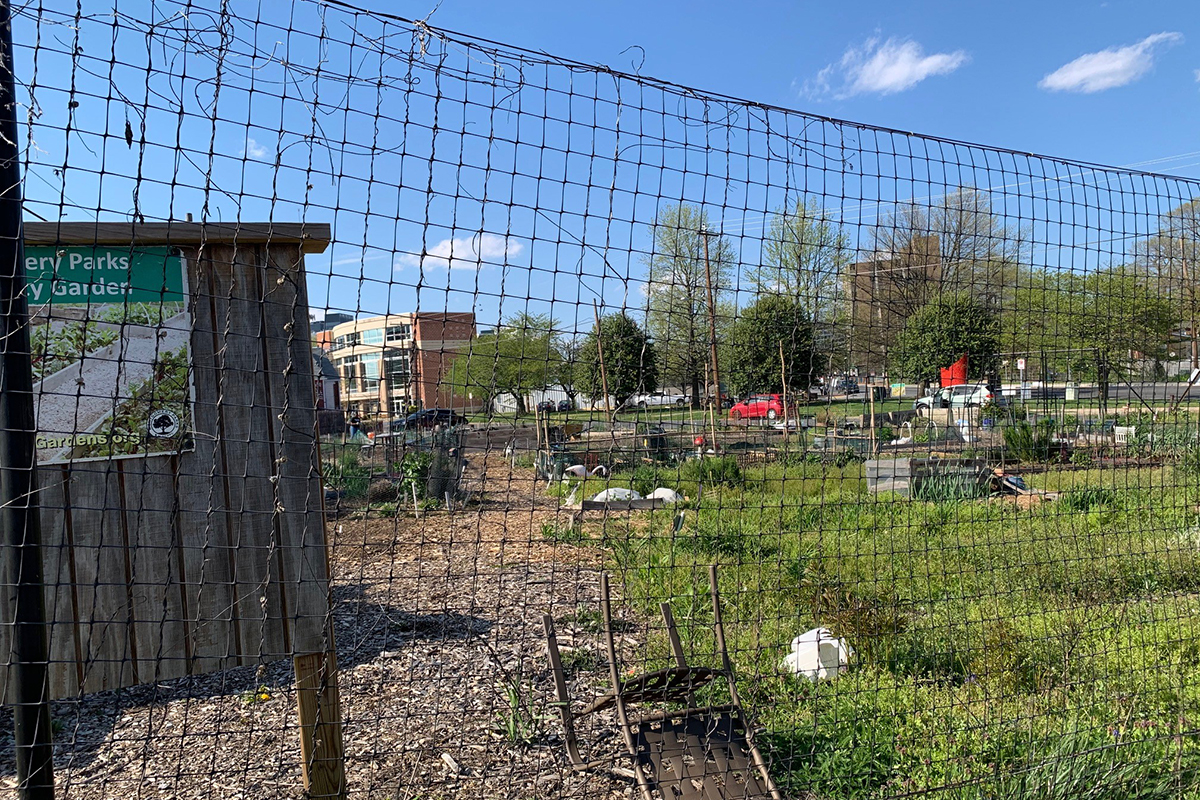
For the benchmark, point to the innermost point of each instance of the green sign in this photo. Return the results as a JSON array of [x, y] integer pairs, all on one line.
[[90, 275]]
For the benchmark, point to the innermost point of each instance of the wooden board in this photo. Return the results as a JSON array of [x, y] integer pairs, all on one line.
[[180, 564]]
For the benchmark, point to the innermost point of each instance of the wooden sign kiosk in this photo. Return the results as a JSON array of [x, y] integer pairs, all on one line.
[[163, 566]]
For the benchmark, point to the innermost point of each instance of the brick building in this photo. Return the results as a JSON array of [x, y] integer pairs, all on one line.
[[390, 363], [883, 292]]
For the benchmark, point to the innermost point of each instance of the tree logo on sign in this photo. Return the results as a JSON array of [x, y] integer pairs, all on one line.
[[164, 424]]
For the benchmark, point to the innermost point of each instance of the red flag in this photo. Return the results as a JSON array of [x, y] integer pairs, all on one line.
[[956, 373]]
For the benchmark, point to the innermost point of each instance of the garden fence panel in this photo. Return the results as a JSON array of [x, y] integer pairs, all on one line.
[[359, 346]]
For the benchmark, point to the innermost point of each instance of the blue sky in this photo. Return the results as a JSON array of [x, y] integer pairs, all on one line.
[[769, 51], [456, 178]]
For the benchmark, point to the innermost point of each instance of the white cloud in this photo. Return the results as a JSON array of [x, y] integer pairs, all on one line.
[[465, 252], [1110, 68], [882, 67], [253, 149]]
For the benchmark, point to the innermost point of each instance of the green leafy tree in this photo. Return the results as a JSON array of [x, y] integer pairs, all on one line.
[[755, 340], [941, 331], [1117, 317], [1091, 324], [805, 255], [677, 309], [630, 362], [522, 355]]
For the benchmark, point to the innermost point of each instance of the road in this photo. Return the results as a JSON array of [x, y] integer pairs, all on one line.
[[1155, 393]]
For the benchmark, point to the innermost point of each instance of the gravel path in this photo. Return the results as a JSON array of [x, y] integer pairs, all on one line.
[[438, 625]]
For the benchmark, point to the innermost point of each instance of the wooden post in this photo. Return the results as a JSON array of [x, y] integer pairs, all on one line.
[[715, 399], [712, 414], [319, 710], [871, 405], [783, 378]]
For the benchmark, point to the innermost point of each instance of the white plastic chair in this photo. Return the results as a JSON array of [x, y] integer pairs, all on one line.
[[1122, 434]]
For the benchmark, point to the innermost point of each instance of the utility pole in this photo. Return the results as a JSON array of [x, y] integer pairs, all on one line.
[[28, 687], [715, 402]]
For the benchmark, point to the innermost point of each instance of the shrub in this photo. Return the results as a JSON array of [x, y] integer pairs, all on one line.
[[414, 471], [645, 479], [1027, 442], [719, 470], [1189, 460], [349, 477]]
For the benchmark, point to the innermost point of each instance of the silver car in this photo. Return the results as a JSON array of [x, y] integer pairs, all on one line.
[[967, 395]]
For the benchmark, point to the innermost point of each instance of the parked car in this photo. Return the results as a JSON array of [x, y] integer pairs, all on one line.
[[564, 405], [966, 395], [845, 386], [656, 400], [547, 405], [757, 406], [429, 418]]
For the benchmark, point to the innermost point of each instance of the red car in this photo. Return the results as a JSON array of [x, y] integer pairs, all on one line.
[[757, 406]]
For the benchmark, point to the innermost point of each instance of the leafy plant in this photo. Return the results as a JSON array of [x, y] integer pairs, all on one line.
[[414, 472], [645, 479], [1082, 458], [251, 697], [718, 470], [1029, 442], [518, 721], [1087, 498], [58, 345], [1189, 460], [571, 534], [1084, 766], [950, 486]]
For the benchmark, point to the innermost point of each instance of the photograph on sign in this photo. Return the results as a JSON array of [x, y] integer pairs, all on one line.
[[109, 336]]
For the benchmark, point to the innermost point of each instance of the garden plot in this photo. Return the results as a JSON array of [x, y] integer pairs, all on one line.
[[999, 648]]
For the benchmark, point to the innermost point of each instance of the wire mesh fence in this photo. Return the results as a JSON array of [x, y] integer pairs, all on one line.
[[419, 416]]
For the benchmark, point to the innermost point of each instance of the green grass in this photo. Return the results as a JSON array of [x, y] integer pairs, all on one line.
[[1002, 651]]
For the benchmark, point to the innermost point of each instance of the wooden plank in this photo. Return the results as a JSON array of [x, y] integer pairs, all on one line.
[[64, 656], [246, 424], [313, 237], [622, 505], [162, 635], [227, 400], [205, 538], [58, 572], [299, 490], [319, 709], [99, 557]]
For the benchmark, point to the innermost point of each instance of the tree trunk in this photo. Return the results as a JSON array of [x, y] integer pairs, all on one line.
[[1102, 375], [695, 391], [521, 409]]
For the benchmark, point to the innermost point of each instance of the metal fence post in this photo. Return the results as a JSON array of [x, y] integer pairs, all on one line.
[[19, 526]]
